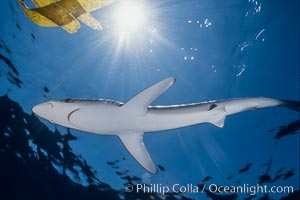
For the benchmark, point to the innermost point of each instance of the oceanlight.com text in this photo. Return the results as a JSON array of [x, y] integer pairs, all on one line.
[[213, 188]]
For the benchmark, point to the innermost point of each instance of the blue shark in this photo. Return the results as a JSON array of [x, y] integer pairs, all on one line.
[[129, 121]]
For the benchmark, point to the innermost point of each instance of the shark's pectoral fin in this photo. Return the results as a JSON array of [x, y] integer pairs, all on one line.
[[218, 115], [135, 145], [139, 103], [90, 21]]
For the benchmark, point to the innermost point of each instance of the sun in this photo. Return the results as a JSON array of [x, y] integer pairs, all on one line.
[[134, 32], [131, 16], [132, 27]]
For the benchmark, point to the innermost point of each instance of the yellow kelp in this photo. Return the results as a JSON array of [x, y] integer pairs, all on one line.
[[64, 13], [42, 3]]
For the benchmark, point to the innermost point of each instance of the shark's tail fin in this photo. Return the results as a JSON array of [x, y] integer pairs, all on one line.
[[293, 105]]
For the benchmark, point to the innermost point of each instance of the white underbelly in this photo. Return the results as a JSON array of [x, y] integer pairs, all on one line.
[[158, 121]]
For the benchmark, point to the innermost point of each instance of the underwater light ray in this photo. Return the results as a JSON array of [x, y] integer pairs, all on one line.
[[199, 165], [216, 153]]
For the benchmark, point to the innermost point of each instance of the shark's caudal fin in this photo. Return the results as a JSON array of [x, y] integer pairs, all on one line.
[[293, 105], [135, 145], [139, 103]]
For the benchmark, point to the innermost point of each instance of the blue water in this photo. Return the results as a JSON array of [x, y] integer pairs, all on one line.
[[215, 49]]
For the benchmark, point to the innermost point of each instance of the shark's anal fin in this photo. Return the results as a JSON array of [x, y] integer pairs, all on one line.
[[90, 21], [42, 3], [135, 145], [139, 103], [218, 115]]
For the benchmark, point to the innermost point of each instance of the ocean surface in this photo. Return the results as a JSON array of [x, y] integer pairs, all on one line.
[[215, 49]]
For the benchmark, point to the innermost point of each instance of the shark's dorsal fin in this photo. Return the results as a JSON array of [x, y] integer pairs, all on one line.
[[135, 145], [139, 103], [42, 3]]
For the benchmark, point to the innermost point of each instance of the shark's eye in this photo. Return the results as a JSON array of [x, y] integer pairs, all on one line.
[[69, 100]]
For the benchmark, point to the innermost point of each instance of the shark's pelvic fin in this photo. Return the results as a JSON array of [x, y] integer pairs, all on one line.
[[139, 103], [135, 145], [90, 21], [219, 115], [42, 3]]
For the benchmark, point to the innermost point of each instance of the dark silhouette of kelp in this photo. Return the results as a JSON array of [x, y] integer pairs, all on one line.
[[290, 129], [267, 178], [207, 178], [45, 89], [246, 168], [293, 196], [162, 168], [7, 67], [30, 155], [4, 47]]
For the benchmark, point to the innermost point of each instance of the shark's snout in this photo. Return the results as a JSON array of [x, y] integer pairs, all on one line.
[[43, 109]]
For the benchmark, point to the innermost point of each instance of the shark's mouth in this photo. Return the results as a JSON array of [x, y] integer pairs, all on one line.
[[71, 113], [79, 120]]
